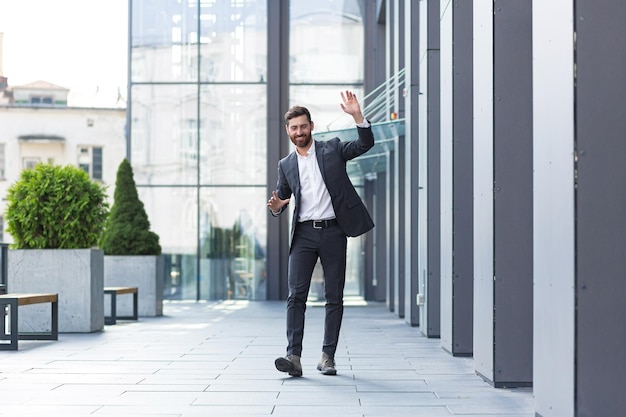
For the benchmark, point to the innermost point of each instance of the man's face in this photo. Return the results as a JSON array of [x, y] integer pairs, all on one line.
[[299, 131]]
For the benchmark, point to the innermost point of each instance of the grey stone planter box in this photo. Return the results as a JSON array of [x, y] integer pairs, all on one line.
[[75, 274], [145, 273]]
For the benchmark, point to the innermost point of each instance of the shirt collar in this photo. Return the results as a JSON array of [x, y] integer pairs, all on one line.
[[309, 152]]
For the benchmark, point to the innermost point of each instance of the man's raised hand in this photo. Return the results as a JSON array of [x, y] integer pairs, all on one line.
[[351, 106]]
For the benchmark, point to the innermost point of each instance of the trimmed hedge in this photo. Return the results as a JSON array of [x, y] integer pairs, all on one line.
[[127, 231], [55, 207]]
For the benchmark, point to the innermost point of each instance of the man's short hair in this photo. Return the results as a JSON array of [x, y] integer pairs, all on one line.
[[296, 111]]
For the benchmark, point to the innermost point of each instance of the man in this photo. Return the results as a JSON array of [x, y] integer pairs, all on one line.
[[327, 210]]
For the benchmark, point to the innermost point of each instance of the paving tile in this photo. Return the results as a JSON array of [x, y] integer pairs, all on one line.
[[217, 359]]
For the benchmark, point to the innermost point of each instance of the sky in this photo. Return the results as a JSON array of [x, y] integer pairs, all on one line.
[[77, 44]]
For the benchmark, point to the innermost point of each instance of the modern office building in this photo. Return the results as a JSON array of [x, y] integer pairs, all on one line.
[[496, 183]]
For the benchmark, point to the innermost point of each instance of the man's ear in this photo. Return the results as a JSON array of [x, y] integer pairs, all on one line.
[[312, 125]]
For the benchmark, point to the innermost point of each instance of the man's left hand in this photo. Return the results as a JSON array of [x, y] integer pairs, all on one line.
[[351, 106]]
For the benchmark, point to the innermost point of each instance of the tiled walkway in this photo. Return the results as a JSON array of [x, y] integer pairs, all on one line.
[[217, 359]]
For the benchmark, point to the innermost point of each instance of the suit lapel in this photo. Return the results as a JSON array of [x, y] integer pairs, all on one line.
[[319, 154]]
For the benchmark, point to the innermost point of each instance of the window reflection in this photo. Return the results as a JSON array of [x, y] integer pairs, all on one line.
[[198, 128]]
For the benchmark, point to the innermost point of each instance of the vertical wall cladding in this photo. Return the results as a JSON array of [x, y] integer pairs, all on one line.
[[380, 271], [462, 197], [446, 148], [553, 208], [408, 15], [483, 186], [391, 232], [513, 198], [457, 291], [600, 207], [393, 56], [432, 326], [428, 166], [277, 92]]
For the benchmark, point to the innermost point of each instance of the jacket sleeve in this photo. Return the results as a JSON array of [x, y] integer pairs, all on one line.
[[365, 142], [282, 189]]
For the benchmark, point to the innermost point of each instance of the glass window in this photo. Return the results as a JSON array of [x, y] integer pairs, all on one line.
[[325, 58], [30, 162], [233, 40], [172, 212], [164, 40], [326, 41], [2, 161], [96, 168], [233, 134], [162, 146], [233, 239]]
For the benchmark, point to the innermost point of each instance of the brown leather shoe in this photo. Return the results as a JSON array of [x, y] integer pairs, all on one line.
[[290, 364], [327, 365]]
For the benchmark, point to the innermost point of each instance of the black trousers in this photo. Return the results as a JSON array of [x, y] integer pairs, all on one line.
[[309, 243]]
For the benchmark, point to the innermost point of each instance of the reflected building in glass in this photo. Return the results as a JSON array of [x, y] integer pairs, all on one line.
[[198, 128]]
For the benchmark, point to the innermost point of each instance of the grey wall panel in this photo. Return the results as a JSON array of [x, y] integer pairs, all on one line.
[[277, 101], [374, 49], [553, 208], [398, 243], [430, 273], [399, 228], [483, 186], [391, 212], [446, 170], [600, 207], [513, 193], [428, 171], [463, 190], [410, 12], [369, 274], [431, 326], [422, 165], [379, 280]]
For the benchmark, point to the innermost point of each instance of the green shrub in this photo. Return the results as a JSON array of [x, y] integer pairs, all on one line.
[[127, 231], [55, 207]]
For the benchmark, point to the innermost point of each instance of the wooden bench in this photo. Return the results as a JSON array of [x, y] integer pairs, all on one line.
[[9, 304], [113, 292]]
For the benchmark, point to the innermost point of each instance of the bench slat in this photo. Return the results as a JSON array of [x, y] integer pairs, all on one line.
[[27, 299], [121, 290]]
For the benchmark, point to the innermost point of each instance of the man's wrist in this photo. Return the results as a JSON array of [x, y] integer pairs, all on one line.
[[364, 124]]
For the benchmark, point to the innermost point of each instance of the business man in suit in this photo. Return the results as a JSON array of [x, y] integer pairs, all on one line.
[[327, 210]]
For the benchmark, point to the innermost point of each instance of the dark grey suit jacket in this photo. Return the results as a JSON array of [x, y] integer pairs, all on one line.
[[332, 156]]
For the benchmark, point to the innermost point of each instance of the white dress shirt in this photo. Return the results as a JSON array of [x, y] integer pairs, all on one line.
[[315, 202]]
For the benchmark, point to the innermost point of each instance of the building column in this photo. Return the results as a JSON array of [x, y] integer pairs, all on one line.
[[376, 249], [395, 62], [411, 162], [428, 210], [579, 205], [457, 228], [277, 100], [503, 280]]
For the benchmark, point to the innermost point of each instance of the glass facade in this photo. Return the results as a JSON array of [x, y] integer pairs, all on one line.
[[198, 128], [325, 57]]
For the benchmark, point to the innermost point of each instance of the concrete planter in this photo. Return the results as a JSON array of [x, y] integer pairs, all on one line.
[[143, 272], [75, 274]]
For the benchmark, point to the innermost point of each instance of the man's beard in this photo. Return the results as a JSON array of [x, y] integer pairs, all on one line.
[[301, 141]]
